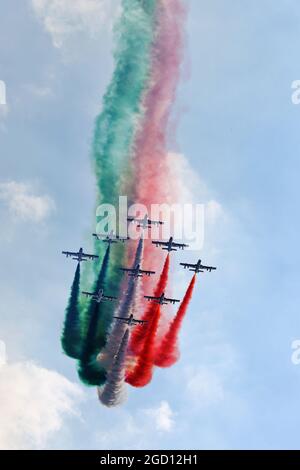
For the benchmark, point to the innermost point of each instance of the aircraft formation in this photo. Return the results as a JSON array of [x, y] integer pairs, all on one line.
[[136, 271], [131, 155]]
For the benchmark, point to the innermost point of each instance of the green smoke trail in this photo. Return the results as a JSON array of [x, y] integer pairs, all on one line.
[[71, 335], [115, 127], [88, 369], [115, 130]]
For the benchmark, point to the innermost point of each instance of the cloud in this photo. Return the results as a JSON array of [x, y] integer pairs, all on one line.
[[205, 387], [207, 380], [205, 211], [33, 404], [136, 430], [162, 416], [64, 18], [23, 204], [213, 211], [191, 188]]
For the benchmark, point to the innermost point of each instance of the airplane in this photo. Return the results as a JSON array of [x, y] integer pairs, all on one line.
[[198, 267], [162, 300], [137, 271], [79, 255], [99, 296], [110, 238], [131, 321], [145, 222], [170, 245]]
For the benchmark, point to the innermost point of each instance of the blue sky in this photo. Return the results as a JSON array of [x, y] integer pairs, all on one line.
[[235, 385]]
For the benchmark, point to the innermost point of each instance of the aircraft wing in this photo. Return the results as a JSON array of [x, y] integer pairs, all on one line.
[[142, 221], [158, 243], [188, 265], [88, 294], [122, 239], [103, 238], [111, 238], [70, 253], [208, 268], [97, 236], [172, 301], [109, 297], [150, 297], [133, 219], [140, 322], [128, 270], [155, 222], [85, 255], [180, 245], [147, 273], [125, 320]]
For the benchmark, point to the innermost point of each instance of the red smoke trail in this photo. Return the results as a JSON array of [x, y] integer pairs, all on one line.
[[143, 370], [151, 166], [154, 184], [167, 353], [138, 335]]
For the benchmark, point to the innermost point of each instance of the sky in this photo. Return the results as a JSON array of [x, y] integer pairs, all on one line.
[[235, 386]]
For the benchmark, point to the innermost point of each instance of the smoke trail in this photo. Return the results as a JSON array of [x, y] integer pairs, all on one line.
[[142, 373], [114, 391], [71, 334], [167, 353], [107, 355], [151, 140], [89, 369], [154, 184], [138, 335], [115, 127]]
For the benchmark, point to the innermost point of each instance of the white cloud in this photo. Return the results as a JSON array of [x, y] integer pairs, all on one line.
[[190, 187], [207, 380], [64, 18], [136, 430], [33, 404], [207, 212], [122, 433], [187, 180], [162, 416], [205, 387], [23, 204], [213, 211]]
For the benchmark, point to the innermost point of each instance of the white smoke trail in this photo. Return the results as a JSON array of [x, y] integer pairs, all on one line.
[[114, 392], [106, 357]]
